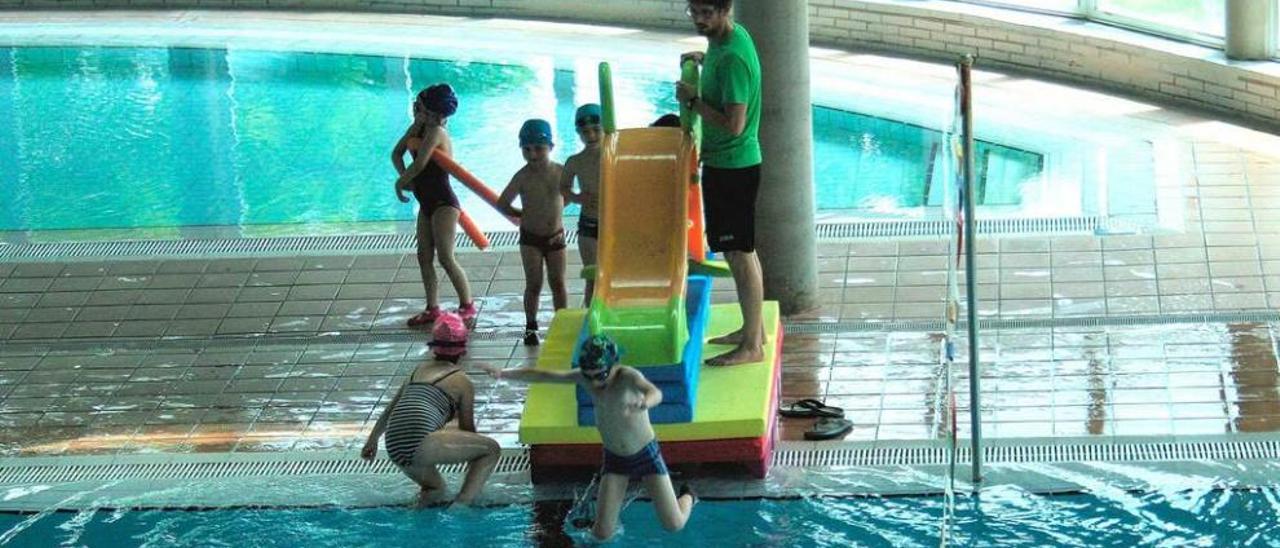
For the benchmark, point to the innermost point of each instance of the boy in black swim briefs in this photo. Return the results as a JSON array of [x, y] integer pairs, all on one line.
[[585, 166], [537, 184], [623, 398]]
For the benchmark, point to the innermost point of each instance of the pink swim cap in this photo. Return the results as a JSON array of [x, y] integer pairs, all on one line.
[[449, 335]]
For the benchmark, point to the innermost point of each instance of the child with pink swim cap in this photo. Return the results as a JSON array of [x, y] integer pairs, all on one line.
[[435, 394]]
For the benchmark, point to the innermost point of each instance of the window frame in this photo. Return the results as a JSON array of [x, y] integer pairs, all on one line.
[[1093, 13], [1088, 10]]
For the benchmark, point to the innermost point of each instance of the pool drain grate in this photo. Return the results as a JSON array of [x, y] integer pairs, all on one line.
[[16, 472], [511, 461], [1020, 454], [499, 240]]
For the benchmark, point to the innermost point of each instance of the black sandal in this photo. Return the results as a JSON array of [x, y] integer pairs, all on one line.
[[829, 429], [811, 408]]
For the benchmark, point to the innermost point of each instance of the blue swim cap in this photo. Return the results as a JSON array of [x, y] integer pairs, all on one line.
[[598, 353], [587, 115], [439, 99], [535, 132]]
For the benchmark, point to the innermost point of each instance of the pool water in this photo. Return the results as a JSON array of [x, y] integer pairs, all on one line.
[[1002, 516], [165, 138]]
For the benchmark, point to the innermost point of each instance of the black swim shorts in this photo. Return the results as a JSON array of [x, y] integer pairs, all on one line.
[[544, 244], [729, 199], [588, 228]]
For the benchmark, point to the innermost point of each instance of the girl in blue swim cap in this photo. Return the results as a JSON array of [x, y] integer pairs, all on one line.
[[438, 206]]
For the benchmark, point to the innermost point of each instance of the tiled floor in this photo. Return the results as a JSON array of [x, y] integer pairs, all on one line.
[[296, 353]]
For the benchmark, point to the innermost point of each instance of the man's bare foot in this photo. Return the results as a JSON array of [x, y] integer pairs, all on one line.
[[734, 338], [737, 356]]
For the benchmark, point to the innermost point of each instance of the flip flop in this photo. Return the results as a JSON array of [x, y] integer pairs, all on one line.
[[809, 408], [828, 429]]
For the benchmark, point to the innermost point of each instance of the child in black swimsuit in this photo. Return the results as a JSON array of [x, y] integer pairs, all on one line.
[[438, 205]]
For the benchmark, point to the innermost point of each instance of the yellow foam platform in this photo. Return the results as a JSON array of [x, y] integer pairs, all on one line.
[[733, 402]]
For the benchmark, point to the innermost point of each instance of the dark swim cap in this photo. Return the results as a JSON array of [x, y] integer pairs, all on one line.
[[598, 352], [667, 120], [439, 99], [535, 132]]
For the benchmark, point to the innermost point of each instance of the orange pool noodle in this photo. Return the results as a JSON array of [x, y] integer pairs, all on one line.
[[471, 181], [472, 231]]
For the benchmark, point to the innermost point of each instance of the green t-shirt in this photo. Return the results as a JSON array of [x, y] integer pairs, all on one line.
[[731, 74]]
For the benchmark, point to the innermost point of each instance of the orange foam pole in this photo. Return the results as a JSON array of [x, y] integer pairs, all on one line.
[[471, 181], [473, 231]]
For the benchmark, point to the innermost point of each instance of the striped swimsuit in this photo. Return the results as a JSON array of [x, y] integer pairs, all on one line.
[[422, 409]]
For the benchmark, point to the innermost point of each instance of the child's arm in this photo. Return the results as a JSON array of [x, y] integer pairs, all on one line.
[[528, 374], [566, 184], [430, 140], [397, 153], [371, 445], [467, 411], [508, 196], [651, 396]]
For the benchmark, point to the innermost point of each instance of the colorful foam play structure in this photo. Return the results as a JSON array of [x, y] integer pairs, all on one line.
[[653, 297]]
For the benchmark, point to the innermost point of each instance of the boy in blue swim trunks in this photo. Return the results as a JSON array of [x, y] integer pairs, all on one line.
[[585, 166], [623, 398], [537, 184]]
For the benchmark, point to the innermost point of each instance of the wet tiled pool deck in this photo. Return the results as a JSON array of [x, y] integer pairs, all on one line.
[[1166, 334]]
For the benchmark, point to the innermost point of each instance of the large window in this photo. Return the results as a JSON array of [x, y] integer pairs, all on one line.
[[1069, 6], [1202, 21], [1194, 17]]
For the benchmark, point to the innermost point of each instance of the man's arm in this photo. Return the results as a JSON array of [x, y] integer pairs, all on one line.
[[736, 83], [733, 119]]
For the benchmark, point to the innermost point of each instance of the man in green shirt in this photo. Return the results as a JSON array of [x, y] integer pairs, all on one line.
[[729, 103]]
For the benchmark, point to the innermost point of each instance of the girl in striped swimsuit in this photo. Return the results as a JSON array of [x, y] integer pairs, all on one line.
[[414, 421]]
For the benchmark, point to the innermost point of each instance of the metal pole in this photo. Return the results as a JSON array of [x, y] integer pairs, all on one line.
[[970, 265]]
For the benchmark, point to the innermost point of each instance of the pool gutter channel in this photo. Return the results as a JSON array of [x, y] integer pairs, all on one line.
[[505, 334], [498, 240], [800, 469]]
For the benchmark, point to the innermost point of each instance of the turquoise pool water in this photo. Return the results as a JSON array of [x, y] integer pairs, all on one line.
[[173, 138], [1001, 517]]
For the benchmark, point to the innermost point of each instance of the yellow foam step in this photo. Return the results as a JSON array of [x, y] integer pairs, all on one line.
[[732, 402]]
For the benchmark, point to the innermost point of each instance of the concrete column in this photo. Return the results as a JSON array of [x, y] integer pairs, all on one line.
[[784, 211], [1249, 32]]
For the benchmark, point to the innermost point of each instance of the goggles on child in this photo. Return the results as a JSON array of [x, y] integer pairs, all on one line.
[[588, 120]]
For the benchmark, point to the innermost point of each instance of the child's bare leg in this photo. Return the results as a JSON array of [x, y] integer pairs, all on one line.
[[613, 490], [555, 278], [587, 249], [425, 475], [448, 446], [531, 259], [426, 253], [672, 511], [444, 225]]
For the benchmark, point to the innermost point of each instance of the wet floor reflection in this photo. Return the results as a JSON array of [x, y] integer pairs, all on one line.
[[1097, 378], [1253, 368]]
